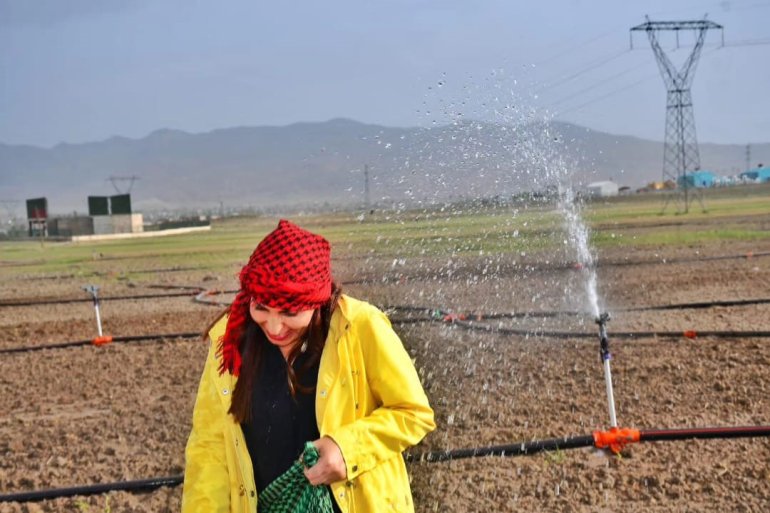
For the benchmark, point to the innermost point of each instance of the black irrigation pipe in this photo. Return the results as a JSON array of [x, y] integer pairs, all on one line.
[[203, 297], [665, 435], [77, 343], [517, 449], [195, 288], [614, 439], [698, 305], [89, 300], [436, 316], [683, 260], [557, 313], [540, 267], [615, 334], [442, 317], [141, 485], [163, 270], [104, 273], [462, 324]]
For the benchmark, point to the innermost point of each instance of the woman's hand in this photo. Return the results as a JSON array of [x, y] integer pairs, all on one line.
[[330, 467]]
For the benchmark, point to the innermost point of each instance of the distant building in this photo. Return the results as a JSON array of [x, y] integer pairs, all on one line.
[[113, 215], [697, 179], [661, 186], [758, 175], [602, 189], [725, 181], [37, 217], [71, 226], [118, 223], [107, 215]]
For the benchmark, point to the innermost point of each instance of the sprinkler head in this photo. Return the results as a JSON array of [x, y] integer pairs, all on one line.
[[91, 289], [604, 343]]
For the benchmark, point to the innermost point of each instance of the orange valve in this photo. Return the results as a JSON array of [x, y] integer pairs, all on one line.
[[101, 341], [690, 334], [616, 438]]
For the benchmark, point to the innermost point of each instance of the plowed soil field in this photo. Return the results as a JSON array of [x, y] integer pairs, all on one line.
[[85, 415]]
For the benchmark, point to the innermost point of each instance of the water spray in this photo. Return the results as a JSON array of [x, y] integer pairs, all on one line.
[[604, 352]]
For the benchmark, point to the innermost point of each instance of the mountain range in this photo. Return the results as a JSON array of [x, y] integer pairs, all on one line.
[[324, 163]]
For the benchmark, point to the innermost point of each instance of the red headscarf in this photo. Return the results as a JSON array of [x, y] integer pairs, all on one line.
[[290, 270]]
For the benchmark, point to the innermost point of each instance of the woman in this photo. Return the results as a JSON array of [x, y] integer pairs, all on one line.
[[297, 361]]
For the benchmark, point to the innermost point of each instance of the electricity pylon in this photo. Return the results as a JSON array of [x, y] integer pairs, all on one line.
[[129, 179], [680, 151], [9, 206]]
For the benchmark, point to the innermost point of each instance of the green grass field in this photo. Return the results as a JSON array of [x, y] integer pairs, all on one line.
[[732, 214]]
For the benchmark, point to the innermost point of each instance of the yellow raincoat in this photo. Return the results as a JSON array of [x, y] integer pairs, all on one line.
[[369, 400]]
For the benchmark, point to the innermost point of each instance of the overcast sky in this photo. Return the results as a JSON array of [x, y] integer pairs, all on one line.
[[85, 70]]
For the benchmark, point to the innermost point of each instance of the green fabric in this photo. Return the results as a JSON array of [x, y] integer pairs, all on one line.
[[291, 492]]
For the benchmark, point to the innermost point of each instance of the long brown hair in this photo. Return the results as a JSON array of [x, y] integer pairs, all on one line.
[[254, 342]]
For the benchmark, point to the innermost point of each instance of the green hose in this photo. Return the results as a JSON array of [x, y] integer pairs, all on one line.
[[291, 492]]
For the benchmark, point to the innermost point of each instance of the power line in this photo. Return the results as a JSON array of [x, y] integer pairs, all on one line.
[[741, 42], [607, 95], [749, 42], [572, 48], [614, 91], [593, 65], [757, 5], [761, 41], [593, 86]]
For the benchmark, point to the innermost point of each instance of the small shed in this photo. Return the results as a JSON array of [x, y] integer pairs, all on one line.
[[697, 179], [602, 189]]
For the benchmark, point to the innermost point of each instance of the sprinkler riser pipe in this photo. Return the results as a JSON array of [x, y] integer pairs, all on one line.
[[98, 317], [605, 356], [610, 393], [93, 290]]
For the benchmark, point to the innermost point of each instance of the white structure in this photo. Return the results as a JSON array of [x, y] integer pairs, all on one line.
[[118, 223], [158, 233], [602, 189]]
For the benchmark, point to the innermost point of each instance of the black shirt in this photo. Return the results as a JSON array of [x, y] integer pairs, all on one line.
[[281, 424]]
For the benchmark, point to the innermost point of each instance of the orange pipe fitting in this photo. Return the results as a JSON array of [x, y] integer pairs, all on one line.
[[101, 341], [616, 438]]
